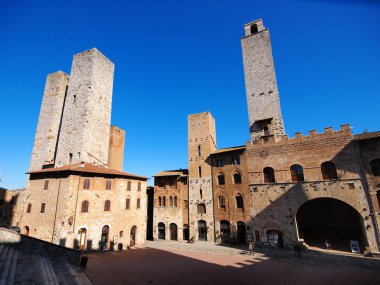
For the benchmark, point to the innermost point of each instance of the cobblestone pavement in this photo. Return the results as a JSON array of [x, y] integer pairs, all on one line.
[[164, 262]]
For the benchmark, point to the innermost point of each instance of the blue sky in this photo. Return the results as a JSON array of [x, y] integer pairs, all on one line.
[[174, 58]]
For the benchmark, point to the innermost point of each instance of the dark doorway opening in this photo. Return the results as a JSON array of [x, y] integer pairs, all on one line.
[[328, 219], [133, 236], [202, 230], [104, 237], [161, 231], [240, 232], [225, 231], [173, 231], [185, 232]]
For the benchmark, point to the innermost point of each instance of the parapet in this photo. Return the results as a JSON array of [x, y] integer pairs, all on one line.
[[253, 27]]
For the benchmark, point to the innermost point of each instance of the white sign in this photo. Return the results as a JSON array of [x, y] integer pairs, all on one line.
[[355, 246]]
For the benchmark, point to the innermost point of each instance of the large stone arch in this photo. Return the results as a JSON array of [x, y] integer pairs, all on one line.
[[330, 219]]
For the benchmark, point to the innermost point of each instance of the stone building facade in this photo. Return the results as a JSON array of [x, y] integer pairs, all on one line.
[[171, 205], [8, 201], [77, 194]]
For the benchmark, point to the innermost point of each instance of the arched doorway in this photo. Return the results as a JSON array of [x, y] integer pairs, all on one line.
[[185, 232], [173, 231], [240, 232], [104, 237], [225, 231], [26, 230], [329, 219], [161, 231], [202, 230], [82, 238], [133, 236]]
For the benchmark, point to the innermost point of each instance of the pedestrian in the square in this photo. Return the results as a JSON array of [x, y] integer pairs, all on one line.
[[327, 245], [250, 247], [297, 250]]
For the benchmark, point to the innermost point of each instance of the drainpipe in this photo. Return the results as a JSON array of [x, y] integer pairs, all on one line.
[[76, 202]]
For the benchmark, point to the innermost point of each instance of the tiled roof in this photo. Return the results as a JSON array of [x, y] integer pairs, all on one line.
[[367, 136], [88, 168], [229, 149], [179, 172]]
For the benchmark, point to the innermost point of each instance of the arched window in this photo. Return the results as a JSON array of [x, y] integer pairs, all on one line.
[[222, 202], [108, 185], [375, 165], [46, 185], [199, 151], [328, 170], [171, 201], [129, 186], [161, 231], [269, 175], [138, 203], [107, 205], [237, 178], [239, 201], [139, 186], [84, 208], [86, 183], [175, 201], [201, 209], [221, 179], [29, 208], [296, 172], [128, 203]]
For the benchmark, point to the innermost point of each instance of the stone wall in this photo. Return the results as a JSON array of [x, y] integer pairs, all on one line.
[[45, 141], [116, 148]]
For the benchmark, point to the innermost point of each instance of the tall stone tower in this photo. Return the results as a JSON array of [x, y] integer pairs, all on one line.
[[45, 141], [265, 118], [116, 148], [202, 142], [85, 129]]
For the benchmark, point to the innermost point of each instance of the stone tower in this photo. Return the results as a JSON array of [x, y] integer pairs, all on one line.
[[45, 141], [85, 129], [116, 148], [263, 100], [202, 142]]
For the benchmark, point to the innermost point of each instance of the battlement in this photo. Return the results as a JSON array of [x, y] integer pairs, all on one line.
[[253, 27], [329, 132]]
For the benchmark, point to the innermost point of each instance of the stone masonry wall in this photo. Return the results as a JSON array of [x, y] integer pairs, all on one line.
[[45, 141], [84, 135], [116, 148]]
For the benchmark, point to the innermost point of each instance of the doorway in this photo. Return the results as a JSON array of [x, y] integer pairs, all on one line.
[[104, 237], [82, 238], [133, 236], [202, 230], [173, 232]]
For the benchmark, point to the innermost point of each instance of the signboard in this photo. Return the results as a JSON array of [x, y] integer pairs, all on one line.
[[355, 246]]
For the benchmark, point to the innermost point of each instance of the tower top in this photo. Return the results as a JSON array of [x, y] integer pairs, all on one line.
[[253, 27]]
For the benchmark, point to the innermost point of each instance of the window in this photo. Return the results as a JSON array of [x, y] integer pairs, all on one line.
[[161, 182], [108, 185], [201, 209], [221, 179], [107, 205], [171, 201], [222, 202], [237, 178], [185, 204], [269, 175], [139, 186], [163, 201], [29, 208], [296, 172], [328, 170], [43, 207], [138, 203], [200, 171], [128, 203], [235, 160], [175, 201], [375, 165], [266, 131], [1, 202], [199, 151], [185, 181], [86, 183], [239, 202], [84, 208], [219, 163], [46, 185], [121, 234], [129, 185], [378, 197], [201, 193]]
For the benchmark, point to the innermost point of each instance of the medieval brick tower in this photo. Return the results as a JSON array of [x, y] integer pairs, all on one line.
[[202, 142], [265, 119]]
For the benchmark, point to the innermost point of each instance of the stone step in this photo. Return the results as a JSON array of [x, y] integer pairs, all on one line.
[[7, 263], [38, 270], [12, 269], [1, 247], [52, 272], [3, 255]]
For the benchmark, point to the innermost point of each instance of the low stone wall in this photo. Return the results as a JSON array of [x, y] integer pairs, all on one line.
[[34, 245]]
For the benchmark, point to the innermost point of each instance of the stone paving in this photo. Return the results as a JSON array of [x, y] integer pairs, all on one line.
[[163, 262]]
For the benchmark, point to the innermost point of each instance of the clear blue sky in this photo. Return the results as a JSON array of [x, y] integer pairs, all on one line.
[[174, 58]]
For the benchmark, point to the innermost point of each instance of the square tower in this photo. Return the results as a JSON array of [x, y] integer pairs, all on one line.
[[265, 118], [202, 142], [86, 119]]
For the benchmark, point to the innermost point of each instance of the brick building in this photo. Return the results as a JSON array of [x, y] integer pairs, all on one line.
[[77, 194]]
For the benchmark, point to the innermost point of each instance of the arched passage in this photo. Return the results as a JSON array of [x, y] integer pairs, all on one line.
[[329, 219], [225, 230], [173, 231], [161, 231]]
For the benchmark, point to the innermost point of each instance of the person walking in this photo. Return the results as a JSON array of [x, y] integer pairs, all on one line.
[[250, 247], [297, 250]]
